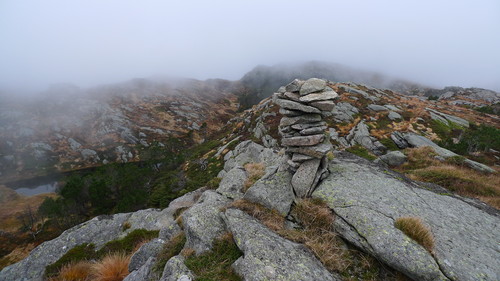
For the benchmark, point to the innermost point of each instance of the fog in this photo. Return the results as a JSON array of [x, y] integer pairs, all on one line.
[[89, 42]]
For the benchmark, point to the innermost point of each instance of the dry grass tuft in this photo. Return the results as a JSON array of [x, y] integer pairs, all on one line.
[[270, 218], [79, 271], [113, 267], [254, 171], [415, 228], [187, 252], [314, 213], [452, 175]]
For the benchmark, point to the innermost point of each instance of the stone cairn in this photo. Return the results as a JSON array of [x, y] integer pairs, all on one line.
[[303, 131]]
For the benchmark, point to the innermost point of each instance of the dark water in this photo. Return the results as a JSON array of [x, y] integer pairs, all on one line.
[[37, 189]]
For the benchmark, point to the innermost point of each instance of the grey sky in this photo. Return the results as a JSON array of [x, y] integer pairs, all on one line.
[[89, 42]]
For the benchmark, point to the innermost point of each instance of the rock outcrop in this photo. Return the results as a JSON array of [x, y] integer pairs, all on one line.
[[303, 130]]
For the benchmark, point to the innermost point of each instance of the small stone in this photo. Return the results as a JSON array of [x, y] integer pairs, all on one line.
[[328, 95], [312, 85], [293, 164], [297, 157], [394, 158], [294, 86], [376, 107], [296, 106], [292, 96], [394, 116], [303, 140]]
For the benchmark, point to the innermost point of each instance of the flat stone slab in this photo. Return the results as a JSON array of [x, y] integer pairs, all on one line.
[[316, 151], [303, 140], [312, 85], [268, 256], [367, 199], [313, 131], [292, 105], [303, 178], [327, 105], [306, 118], [303, 126], [323, 96], [297, 157]]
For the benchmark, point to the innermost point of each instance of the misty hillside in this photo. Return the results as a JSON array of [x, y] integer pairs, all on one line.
[[350, 181]]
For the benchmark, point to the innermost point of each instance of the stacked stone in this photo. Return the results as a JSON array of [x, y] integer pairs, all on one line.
[[303, 130]]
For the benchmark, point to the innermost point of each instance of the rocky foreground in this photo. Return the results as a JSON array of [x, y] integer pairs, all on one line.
[[366, 198]]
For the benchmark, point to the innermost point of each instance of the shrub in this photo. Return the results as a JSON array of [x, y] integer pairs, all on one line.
[[254, 171], [415, 228], [77, 271], [113, 267], [172, 248], [216, 264], [389, 143]]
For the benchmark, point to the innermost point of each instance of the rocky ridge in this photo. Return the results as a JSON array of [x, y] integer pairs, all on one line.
[[366, 198]]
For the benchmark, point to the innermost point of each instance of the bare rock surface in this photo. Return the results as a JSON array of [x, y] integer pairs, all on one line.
[[267, 256], [367, 199]]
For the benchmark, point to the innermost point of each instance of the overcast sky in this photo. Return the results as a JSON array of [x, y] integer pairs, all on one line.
[[88, 42]]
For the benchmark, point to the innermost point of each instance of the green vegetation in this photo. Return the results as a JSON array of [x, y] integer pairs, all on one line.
[[490, 109], [472, 139], [361, 151], [78, 253], [216, 264], [127, 243], [389, 143], [433, 98], [172, 248], [87, 251]]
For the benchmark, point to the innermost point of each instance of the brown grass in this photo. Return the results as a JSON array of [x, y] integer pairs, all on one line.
[[270, 218], [113, 267], [415, 228], [254, 171], [79, 271], [452, 175]]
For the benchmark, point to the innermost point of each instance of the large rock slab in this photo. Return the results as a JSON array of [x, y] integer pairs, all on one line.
[[291, 105], [203, 222], [303, 140], [98, 231], [273, 191], [267, 256], [312, 85], [394, 158], [327, 105], [367, 199], [303, 178], [251, 152], [447, 119]]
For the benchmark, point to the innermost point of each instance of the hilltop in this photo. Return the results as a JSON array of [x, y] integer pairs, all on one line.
[[406, 190]]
